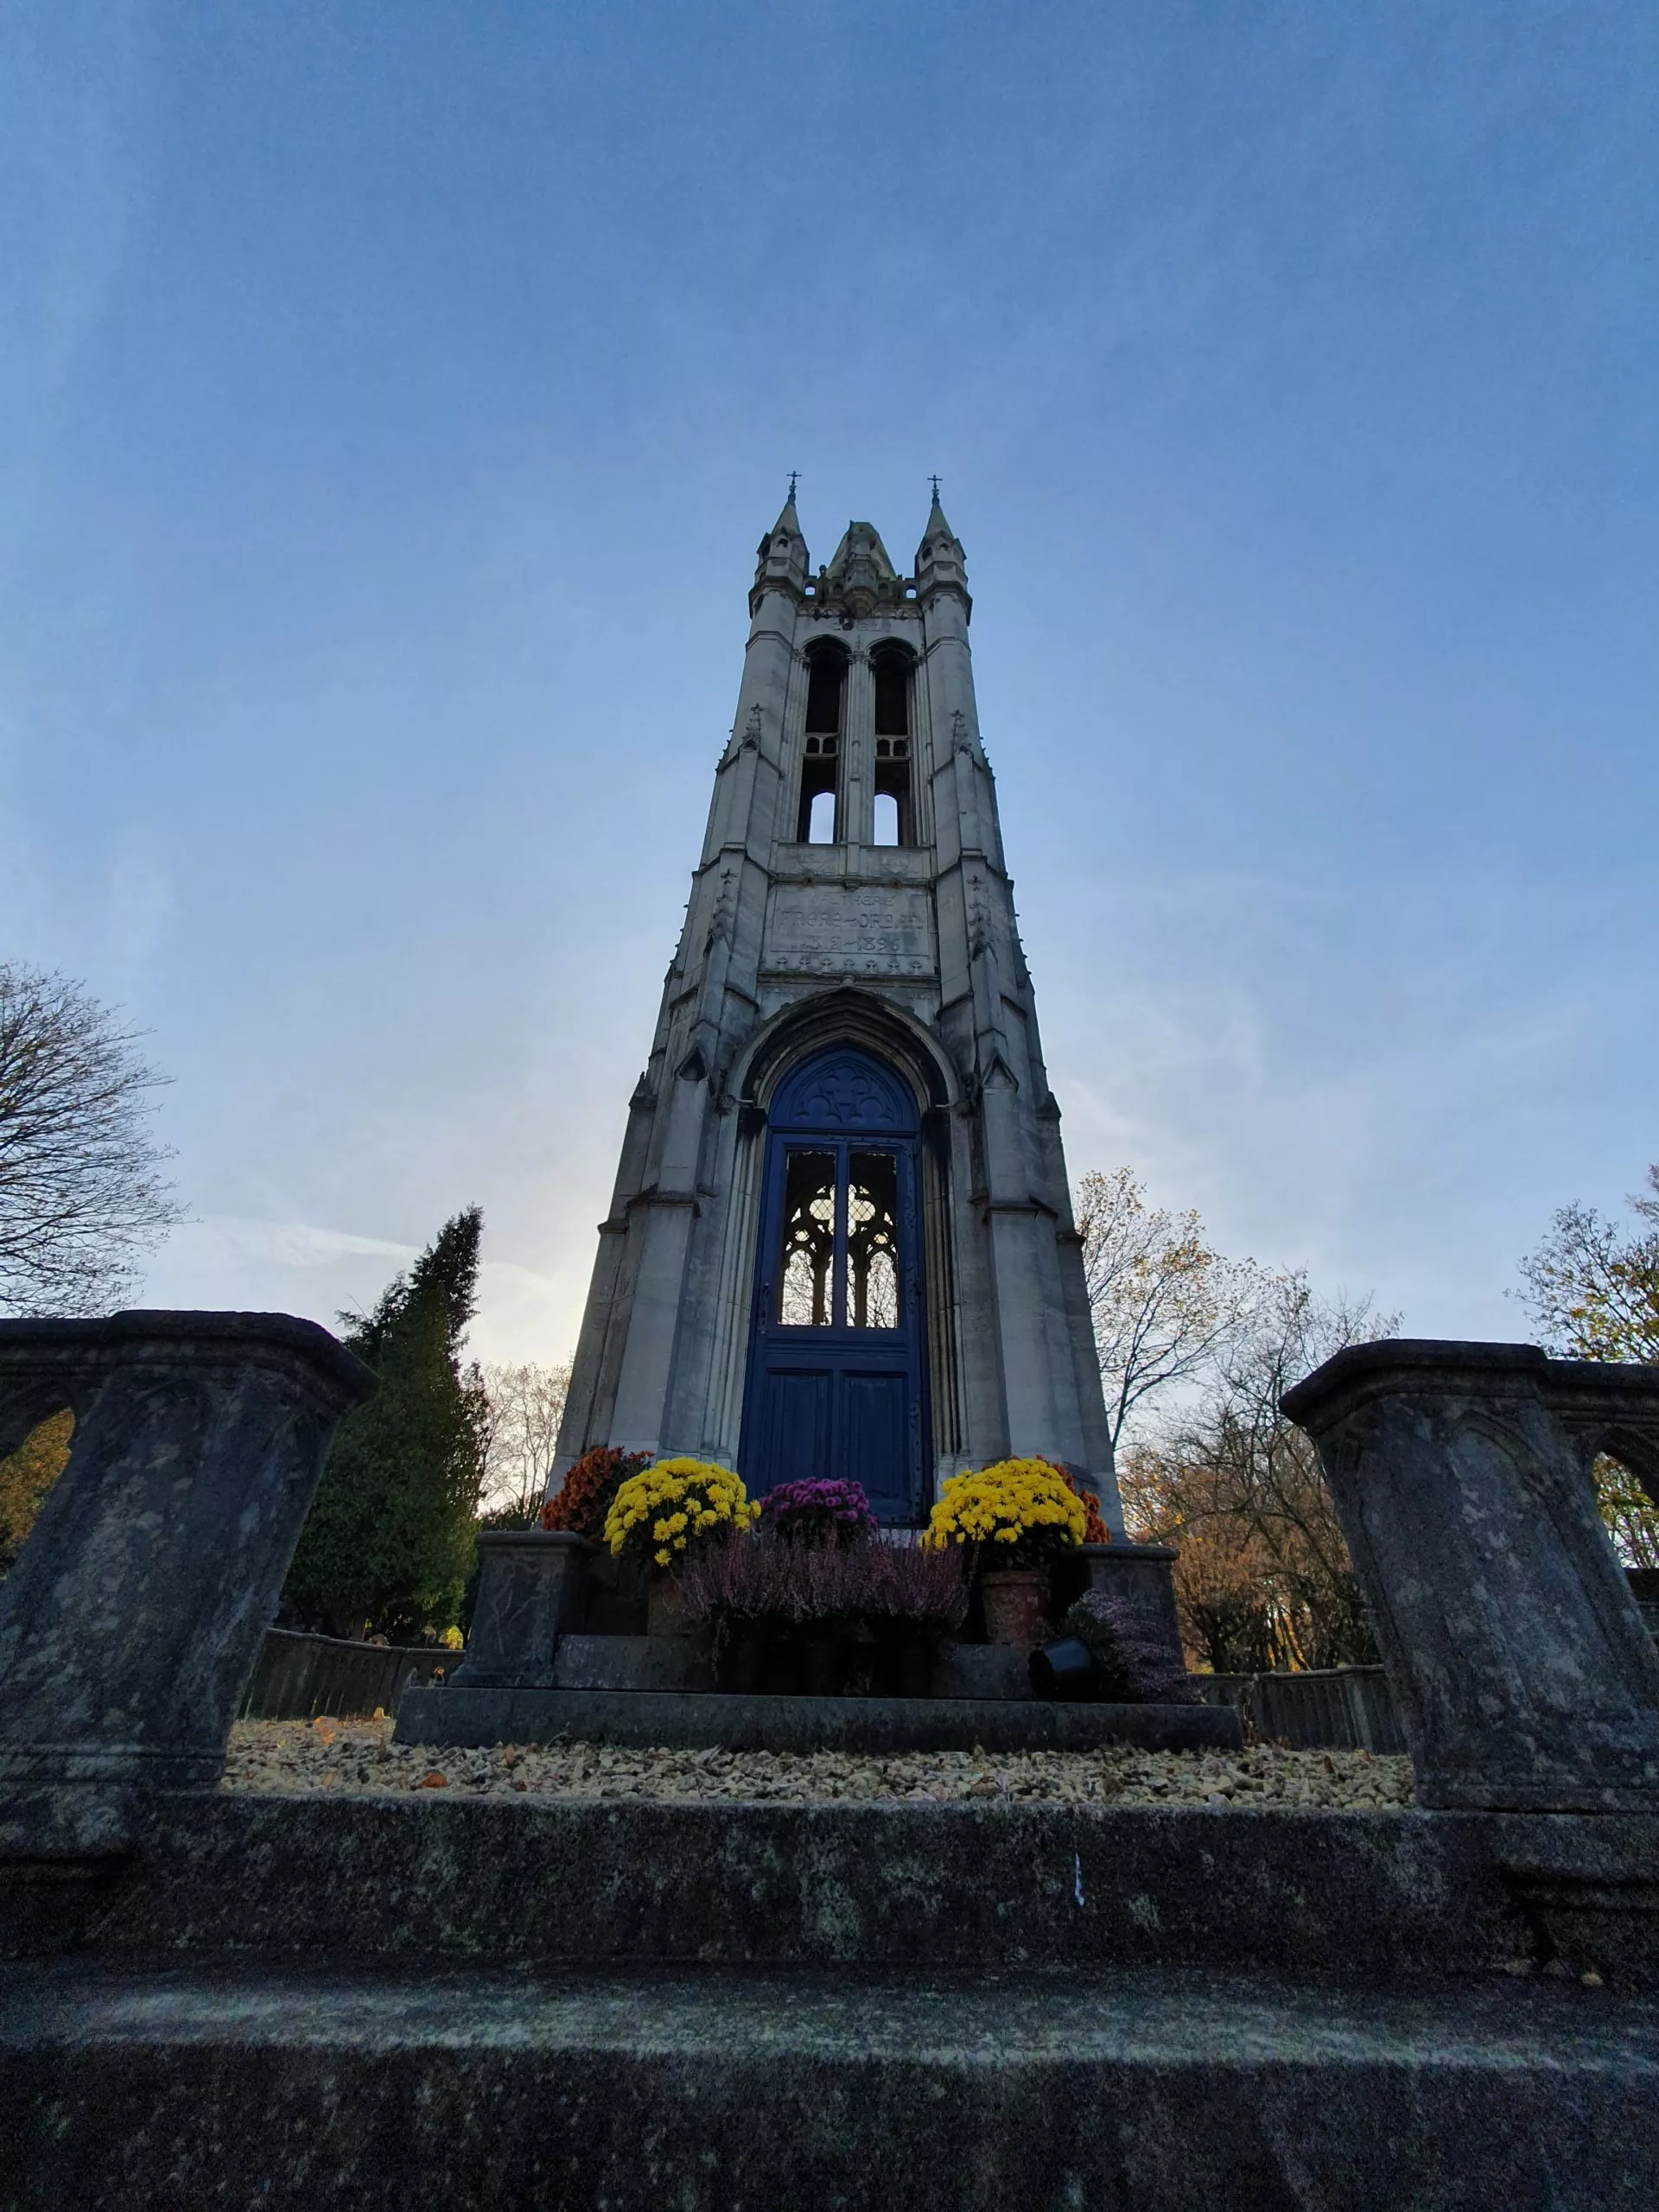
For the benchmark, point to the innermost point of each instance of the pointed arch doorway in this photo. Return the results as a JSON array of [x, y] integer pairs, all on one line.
[[836, 1384]]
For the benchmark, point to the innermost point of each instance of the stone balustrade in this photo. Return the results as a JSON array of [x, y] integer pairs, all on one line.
[[1524, 1677], [131, 1626], [532, 1586]]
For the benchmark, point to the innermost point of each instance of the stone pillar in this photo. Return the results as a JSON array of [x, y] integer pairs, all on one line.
[[1523, 1675], [1143, 1575], [530, 1587], [131, 1624]]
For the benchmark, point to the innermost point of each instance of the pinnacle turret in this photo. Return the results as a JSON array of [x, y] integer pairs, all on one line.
[[941, 565], [781, 559], [937, 524]]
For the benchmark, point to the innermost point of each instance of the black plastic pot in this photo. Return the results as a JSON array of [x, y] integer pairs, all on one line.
[[905, 1652], [820, 1656], [1064, 1669], [739, 1657]]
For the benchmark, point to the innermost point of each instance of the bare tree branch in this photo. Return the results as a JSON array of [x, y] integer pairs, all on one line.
[[526, 1403], [81, 1197], [1165, 1306]]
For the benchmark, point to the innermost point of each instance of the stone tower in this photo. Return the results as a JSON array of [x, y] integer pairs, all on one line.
[[841, 1240]]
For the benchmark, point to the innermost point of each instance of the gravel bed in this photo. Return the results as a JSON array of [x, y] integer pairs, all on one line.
[[358, 1757]]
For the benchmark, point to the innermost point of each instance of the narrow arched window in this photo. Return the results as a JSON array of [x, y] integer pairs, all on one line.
[[826, 690], [894, 803], [826, 679], [891, 666]]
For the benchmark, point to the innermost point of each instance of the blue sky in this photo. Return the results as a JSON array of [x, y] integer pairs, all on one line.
[[391, 398]]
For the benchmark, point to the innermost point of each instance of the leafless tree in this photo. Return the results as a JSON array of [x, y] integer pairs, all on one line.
[[80, 1195], [526, 1403], [1165, 1306]]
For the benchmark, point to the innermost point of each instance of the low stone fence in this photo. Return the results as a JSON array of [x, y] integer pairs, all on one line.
[[1322, 1709], [297, 1677]]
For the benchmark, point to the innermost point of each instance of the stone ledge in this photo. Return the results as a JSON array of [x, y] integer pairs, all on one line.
[[1385, 1897], [629, 1662], [746, 2095], [457, 1714], [982, 1670], [678, 1662]]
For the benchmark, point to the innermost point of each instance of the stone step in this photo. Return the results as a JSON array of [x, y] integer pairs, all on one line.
[[458, 1713], [1393, 1896], [754, 2093]]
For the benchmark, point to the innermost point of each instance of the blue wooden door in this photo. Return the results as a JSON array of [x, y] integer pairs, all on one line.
[[836, 1368]]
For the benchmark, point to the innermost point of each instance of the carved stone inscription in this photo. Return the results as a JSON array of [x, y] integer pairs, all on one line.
[[878, 929]]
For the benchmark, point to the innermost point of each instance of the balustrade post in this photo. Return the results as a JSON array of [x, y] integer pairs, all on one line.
[[131, 1624], [1461, 1474]]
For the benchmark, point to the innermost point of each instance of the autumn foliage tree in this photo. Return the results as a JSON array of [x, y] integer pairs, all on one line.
[[1593, 1289], [26, 1476], [1195, 1351], [1263, 1578]]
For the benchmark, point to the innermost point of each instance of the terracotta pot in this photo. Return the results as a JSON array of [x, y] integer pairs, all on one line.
[[1012, 1597], [665, 1603]]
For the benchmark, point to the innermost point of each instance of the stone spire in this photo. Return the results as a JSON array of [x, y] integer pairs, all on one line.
[[941, 565], [781, 554]]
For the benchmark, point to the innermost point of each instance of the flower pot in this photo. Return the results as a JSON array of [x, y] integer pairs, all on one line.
[[666, 1605], [1014, 1605], [739, 1655], [905, 1653], [820, 1654], [1066, 1669]]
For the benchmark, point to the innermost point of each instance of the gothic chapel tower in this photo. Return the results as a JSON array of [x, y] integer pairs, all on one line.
[[841, 1240]]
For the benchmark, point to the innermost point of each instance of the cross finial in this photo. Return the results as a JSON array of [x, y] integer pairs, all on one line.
[[793, 474], [934, 482]]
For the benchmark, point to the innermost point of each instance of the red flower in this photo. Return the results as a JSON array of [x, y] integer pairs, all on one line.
[[589, 1487]]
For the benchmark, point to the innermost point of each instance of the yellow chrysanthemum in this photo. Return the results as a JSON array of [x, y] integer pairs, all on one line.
[[673, 1502], [1002, 1503]]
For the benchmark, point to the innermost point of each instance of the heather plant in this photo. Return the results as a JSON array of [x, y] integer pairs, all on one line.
[[818, 1513], [769, 1577], [1132, 1666], [911, 1582]]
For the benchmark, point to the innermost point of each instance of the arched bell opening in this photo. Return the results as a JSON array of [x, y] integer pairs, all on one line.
[[894, 798], [838, 1357], [818, 806]]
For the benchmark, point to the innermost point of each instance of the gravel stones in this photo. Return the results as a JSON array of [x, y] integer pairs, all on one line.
[[359, 1756]]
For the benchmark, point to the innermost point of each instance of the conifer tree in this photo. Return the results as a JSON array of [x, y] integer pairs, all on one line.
[[388, 1542]]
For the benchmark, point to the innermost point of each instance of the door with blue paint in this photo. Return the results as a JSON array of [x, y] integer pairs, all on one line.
[[836, 1367]]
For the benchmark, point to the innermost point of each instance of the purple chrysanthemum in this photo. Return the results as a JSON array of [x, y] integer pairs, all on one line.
[[818, 1512]]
